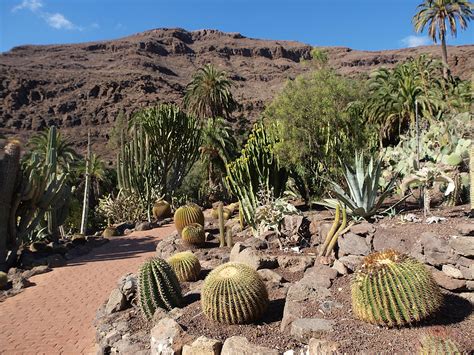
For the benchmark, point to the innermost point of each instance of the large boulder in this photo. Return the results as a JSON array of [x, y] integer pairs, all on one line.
[[463, 245], [240, 345], [166, 338], [353, 244], [446, 281], [437, 250]]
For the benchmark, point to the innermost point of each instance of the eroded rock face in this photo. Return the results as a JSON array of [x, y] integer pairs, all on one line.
[[203, 346], [166, 337]]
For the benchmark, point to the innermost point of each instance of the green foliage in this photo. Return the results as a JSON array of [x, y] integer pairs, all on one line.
[[234, 293], [125, 207], [186, 266], [193, 234], [362, 199], [186, 215], [158, 287], [256, 167], [208, 94], [393, 289], [438, 345], [319, 119]]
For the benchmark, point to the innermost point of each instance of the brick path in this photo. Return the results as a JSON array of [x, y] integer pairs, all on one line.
[[55, 316]]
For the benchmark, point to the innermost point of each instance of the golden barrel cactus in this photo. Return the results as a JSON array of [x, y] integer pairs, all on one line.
[[185, 265], [110, 231], [234, 293], [437, 345], [393, 289], [161, 209], [194, 234], [186, 215]]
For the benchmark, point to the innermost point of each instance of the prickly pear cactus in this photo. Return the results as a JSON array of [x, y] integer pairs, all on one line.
[[234, 293], [158, 287], [194, 234], [436, 345], [185, 215], [393, 289], [161, 209], [110, 231], [185, 265]]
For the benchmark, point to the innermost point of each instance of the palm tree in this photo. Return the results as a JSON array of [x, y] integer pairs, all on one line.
[[208, 94], [435, 14]]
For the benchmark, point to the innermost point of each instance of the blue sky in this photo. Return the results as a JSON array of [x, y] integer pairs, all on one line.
[[359, 24]]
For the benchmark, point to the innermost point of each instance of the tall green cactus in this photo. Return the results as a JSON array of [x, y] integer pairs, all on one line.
[[158, 287], [471, 174], [257, 167]]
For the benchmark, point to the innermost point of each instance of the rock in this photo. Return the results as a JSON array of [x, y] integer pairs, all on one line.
[[447, 282], [168, 246], [270, 276], [127, 231], [166, 337], [77, 251], [451, 271], [437, 250], [467, 272], [241, 346], [322, 230], [353, 244], [252, 257], [117, 302], [112, 337], [469, 296], [463, 245], [295, 263], [255, 243], [128, 286], [404, 243], [203, 346], [322, 347], [305, 328], [125, 346], [466, 229], [470, 285], [143, 226], [319, 276], [37, 270], [20, 282], [291, 225], [351, 262], [339, 267], [56, 260], [362, 229], [327, 306]]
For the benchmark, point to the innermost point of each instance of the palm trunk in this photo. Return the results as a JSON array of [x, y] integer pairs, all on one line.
[[85, 202], [444, 55]]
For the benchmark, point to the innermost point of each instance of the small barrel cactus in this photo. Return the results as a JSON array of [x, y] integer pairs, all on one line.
[[161, 209], [3, 280], [110, 231], [158, 287], [234, 293], [185, 215], [185, 265], [194, 234], [437, 345], [215, 213], [392, 289]]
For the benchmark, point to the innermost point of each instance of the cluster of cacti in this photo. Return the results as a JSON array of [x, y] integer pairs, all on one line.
[[158, 287], [185, 265], [393, 289], [336, 230], [438, 345], [161, 209], [3, 280], [256, 167], [186, 215], [110, 231], [234, 293], [194, 234]]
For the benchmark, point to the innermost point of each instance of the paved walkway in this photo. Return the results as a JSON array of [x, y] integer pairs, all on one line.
[[55, 316]]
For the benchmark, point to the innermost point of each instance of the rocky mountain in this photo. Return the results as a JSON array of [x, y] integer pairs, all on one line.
[[81, 86]]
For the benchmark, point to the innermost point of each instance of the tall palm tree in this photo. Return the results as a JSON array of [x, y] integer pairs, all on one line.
[[208, 94], [435, 14]]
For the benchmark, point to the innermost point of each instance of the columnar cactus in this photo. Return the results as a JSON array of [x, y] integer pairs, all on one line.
[[161, 209], [234, 293], [186, 266], [187, 214], [194, 234], [158, 287], [471, 173], [392, 289], [436, 345]]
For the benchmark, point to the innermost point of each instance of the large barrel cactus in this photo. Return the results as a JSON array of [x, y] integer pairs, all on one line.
[[161, 209], [393, 289], [436, 345], [187, 214], [185, 265], [194, 234], [158, 287], [234, 293], [110, 231]]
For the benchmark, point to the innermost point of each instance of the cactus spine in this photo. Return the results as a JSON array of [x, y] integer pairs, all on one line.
[[234, 293], [186, 266], [194, 234], [186, 215], [158, 287], [393, 289]]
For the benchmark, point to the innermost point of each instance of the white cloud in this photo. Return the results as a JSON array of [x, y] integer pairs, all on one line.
[[32, 5], [58, 21], [416, 41]]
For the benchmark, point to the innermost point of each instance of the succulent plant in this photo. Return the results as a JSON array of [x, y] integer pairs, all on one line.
[[234, 293], [393, 289], [161, 209], [471, 173], [3, 279], [186, 215], [194, 234], [158, 287], [110, 231], [215, 213], [437, 345], [185, 265]]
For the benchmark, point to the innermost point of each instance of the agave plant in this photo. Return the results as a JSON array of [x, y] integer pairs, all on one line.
[[362, 199]]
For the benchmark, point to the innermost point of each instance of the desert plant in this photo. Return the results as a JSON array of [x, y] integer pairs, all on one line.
[[393, 289], [161, 209], [438, 345], [362, 180], [110, 231], [186, 215], [193, 234], [85, 202], [471, 174], [158, 287], [185, 265], [338, 228], [125, 207], [3, 280], [234, 293]]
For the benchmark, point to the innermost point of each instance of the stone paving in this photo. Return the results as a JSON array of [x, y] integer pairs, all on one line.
[[56, 315]]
